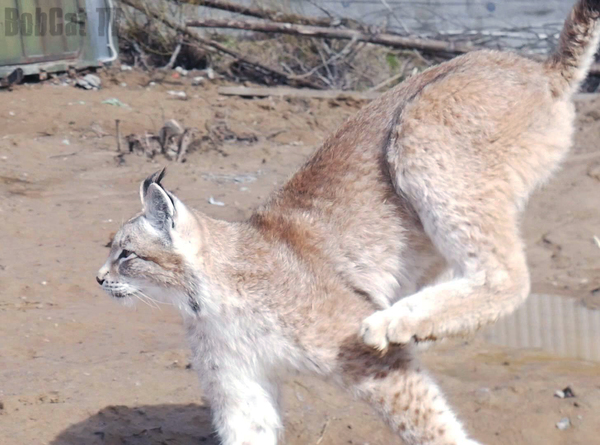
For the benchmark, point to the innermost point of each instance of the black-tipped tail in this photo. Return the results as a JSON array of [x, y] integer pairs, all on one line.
[[577, 46]]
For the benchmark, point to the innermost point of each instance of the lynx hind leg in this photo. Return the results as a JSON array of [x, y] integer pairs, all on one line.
[[403, 394], [469, 211]]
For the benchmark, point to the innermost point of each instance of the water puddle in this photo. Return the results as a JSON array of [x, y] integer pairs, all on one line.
[[558, 325]]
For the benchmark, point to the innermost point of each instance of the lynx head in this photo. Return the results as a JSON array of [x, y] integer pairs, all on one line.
[[152, 254]]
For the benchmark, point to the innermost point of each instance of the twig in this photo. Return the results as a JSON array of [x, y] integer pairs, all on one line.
[[117, 122], [323, 432], [142, 55], [150, 12], [344, 52], [169, 66], [64, 155]]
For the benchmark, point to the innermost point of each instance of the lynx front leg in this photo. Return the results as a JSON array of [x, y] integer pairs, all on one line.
[[244, 411]]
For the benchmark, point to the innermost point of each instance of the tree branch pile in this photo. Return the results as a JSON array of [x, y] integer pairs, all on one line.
[[331, 60]]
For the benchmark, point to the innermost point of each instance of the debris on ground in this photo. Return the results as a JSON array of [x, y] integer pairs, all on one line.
[[223, 178], [568, 392], [173, 141], [563, 424], [198, 80], [114, 101], [181, 71], [179, 94], [214, 202], [89, 82]]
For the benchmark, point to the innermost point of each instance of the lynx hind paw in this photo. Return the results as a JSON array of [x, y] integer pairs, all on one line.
[[374, 330], [391, 325]]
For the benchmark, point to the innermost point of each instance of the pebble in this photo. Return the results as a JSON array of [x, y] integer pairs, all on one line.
[[214, 202], [126, 68], [180, 94], [198, 80], [563, 424], [11, 113], [181, 71], [559, 394], [66, 142]]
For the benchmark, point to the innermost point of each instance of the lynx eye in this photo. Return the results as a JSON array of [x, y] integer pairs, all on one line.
[[126, 254]]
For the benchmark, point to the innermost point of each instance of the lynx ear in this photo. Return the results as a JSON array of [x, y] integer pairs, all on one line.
[[153, 178], [158, 207]]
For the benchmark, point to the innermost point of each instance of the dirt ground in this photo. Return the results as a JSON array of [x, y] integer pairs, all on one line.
[[77, 368]]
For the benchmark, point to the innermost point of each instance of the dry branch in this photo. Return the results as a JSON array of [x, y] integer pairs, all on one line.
[[152, 13], [392, 40], [271, 14]]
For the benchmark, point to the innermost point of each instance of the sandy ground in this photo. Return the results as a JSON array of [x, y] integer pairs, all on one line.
[[77, 368]]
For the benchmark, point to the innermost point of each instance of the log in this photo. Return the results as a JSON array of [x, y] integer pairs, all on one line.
[[391, 40], [271, 14], [153, 13]]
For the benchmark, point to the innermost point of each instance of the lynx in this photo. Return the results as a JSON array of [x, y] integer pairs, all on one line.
[[336, 274]]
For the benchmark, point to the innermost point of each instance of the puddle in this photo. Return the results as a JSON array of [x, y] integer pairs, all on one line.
[[558, 325]]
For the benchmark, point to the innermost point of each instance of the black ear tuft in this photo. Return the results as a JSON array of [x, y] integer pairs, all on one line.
[[154, 178]]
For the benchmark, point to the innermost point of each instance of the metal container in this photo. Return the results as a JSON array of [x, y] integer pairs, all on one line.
[[41, 36]]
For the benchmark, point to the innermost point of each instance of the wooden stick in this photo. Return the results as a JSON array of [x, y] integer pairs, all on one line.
[[392, 40], [117, 122], [270, 14], [150, 12], [169, 66]]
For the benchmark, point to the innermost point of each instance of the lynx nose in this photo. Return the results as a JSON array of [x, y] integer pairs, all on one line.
[[99, 280]]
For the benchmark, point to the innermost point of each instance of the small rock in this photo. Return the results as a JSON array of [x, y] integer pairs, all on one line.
[[126, 68], [123, 84], [568, 392], [563, 424], [11, 113], [114, 101], [210, 73], [214, 202], [560, 394], [179, 94], [198, 80], [66, 142], [88, 82], [181, 71]]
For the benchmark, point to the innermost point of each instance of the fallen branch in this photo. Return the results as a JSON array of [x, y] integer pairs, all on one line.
[[151, 12], [271, 14], [391, 40]]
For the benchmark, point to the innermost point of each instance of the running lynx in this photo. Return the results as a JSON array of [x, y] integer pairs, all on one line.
[[336, 274]]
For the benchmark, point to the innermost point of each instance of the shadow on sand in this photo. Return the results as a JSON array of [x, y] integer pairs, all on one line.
[[143, 425]]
